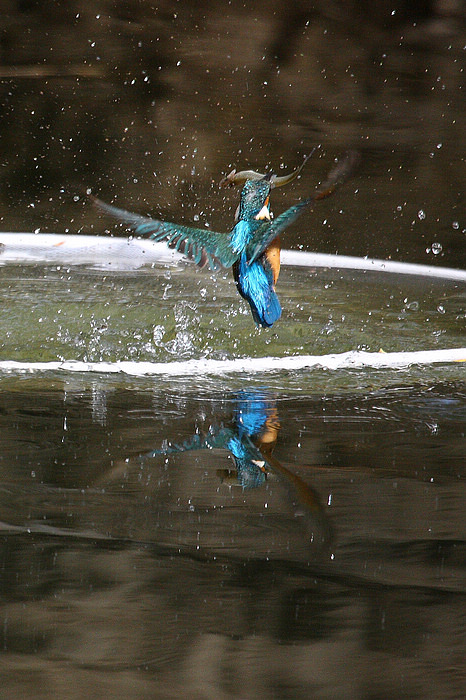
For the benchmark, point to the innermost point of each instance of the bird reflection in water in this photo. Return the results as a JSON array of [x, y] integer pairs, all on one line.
[[251, 441]]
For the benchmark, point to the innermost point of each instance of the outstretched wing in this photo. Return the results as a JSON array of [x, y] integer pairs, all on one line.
[[264, 236], [200, 245], [267, 233], [217, 438]]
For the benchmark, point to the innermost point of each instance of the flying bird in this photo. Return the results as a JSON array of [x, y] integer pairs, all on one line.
[[252, 246]]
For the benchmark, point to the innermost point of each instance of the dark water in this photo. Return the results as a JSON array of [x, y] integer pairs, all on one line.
[[339, 573], [149, 106], [296, 535]]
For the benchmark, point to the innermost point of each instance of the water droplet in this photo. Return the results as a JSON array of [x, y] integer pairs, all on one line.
[[421, 214], [436, 248]]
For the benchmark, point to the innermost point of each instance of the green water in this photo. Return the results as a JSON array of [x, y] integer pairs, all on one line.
[[163, 314]]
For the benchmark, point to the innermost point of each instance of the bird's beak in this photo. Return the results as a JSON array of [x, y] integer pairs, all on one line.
[[264, 212], [240, 178]]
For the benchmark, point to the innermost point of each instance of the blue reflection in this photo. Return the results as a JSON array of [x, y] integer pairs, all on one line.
[[251, 440], [255, 425]]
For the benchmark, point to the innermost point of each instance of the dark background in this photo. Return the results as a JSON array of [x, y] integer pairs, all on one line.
[[149, 104]]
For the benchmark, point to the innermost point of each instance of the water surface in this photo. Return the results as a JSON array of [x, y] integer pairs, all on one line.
[[166, 533], [250, 535]]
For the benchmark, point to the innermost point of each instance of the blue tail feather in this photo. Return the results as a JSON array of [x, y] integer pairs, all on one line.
[[273, 310], [255, 284]]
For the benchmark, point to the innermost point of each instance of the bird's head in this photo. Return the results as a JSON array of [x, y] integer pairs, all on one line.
[[255, 199]]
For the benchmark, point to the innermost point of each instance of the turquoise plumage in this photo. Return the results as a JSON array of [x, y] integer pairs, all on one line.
[[252, 247], [244, 248]]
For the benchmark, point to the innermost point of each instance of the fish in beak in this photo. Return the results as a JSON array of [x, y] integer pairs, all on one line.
[[264, 212]]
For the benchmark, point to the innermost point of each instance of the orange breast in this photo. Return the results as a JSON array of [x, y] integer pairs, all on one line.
[[273, 256]]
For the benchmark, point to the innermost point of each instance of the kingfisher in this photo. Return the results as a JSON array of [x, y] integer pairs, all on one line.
[[251, 248], [250, 438]]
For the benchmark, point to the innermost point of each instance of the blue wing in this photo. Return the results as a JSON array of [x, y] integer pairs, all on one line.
[[217, 438], [268, 232], [337, 176], [200, 245], [249, 462]]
